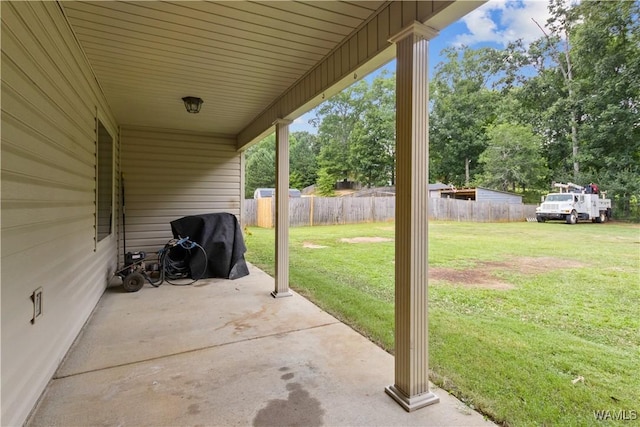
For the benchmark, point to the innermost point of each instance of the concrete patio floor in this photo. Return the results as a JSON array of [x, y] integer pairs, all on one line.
[[226, 353]]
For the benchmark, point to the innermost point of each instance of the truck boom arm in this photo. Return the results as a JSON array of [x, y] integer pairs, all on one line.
[[567, 186]]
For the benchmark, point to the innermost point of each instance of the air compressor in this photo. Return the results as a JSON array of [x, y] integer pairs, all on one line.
[[172, 265], [133, 274]]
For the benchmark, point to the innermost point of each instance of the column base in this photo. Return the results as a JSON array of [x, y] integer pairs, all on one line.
[[276, 294], [411, 404]]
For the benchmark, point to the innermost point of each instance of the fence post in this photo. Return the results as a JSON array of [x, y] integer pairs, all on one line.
[[273, 212], [373, 209], [311, 211]]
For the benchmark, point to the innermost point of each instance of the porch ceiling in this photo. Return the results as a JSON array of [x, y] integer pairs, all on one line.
[[237, 56]]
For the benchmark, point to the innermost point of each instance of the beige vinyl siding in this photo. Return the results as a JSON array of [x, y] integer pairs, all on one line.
[[49, 103], [168, 175]]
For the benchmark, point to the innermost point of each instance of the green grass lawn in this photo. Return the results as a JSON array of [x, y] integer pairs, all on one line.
[[518, 311]]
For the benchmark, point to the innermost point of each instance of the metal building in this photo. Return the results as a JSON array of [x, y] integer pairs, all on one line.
[[481, 194]]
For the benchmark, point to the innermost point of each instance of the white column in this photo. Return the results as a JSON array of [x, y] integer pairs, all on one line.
[[282, 209], [411, 387]]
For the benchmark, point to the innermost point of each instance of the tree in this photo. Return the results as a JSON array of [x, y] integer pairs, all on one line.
[[557, 44], [302, 157], [336, 119], [586, 92], [577, 86], [462, 108], [326, 183], [544, 105], [373, 143], [512, 158], [607, 62], [260, 167]]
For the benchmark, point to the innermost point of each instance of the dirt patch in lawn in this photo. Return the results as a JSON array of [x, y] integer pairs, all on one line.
[[476, 278], [310, 245], [367, 240], [483, 275], [533, 265]]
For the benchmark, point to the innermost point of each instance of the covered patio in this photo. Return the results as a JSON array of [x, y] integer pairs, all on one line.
[[99, 155], [222, 353]]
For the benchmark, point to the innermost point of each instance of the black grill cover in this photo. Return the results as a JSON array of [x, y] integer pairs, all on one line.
[[221, 237]]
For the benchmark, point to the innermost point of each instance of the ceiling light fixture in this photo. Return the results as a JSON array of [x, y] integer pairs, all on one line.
[[192, 104]]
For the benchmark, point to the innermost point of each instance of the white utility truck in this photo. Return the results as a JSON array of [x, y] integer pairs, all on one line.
[[573, 203]]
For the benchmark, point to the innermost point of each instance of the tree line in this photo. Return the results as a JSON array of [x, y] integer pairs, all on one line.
[[355, 140], [564, 108]]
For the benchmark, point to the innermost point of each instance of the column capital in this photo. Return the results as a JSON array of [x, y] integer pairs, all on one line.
[[416, 28], [282, 122]]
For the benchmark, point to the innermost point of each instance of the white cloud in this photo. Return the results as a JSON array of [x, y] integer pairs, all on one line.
[[301, 124], [503, 21]]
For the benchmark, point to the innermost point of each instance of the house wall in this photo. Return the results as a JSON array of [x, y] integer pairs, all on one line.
[[486, 195], [50, 100], [171, 174]]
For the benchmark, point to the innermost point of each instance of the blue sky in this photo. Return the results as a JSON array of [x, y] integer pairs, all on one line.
[[495, 24]]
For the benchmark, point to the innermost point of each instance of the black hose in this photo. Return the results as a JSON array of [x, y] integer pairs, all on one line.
[[175, 269]]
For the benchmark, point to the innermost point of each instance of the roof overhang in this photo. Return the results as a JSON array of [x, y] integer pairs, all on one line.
[[251, 62]]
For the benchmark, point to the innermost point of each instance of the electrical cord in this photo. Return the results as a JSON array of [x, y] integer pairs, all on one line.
[[176, 269]]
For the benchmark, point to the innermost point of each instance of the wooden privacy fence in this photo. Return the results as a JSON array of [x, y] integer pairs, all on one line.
[[265, 213], [352, 210]]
